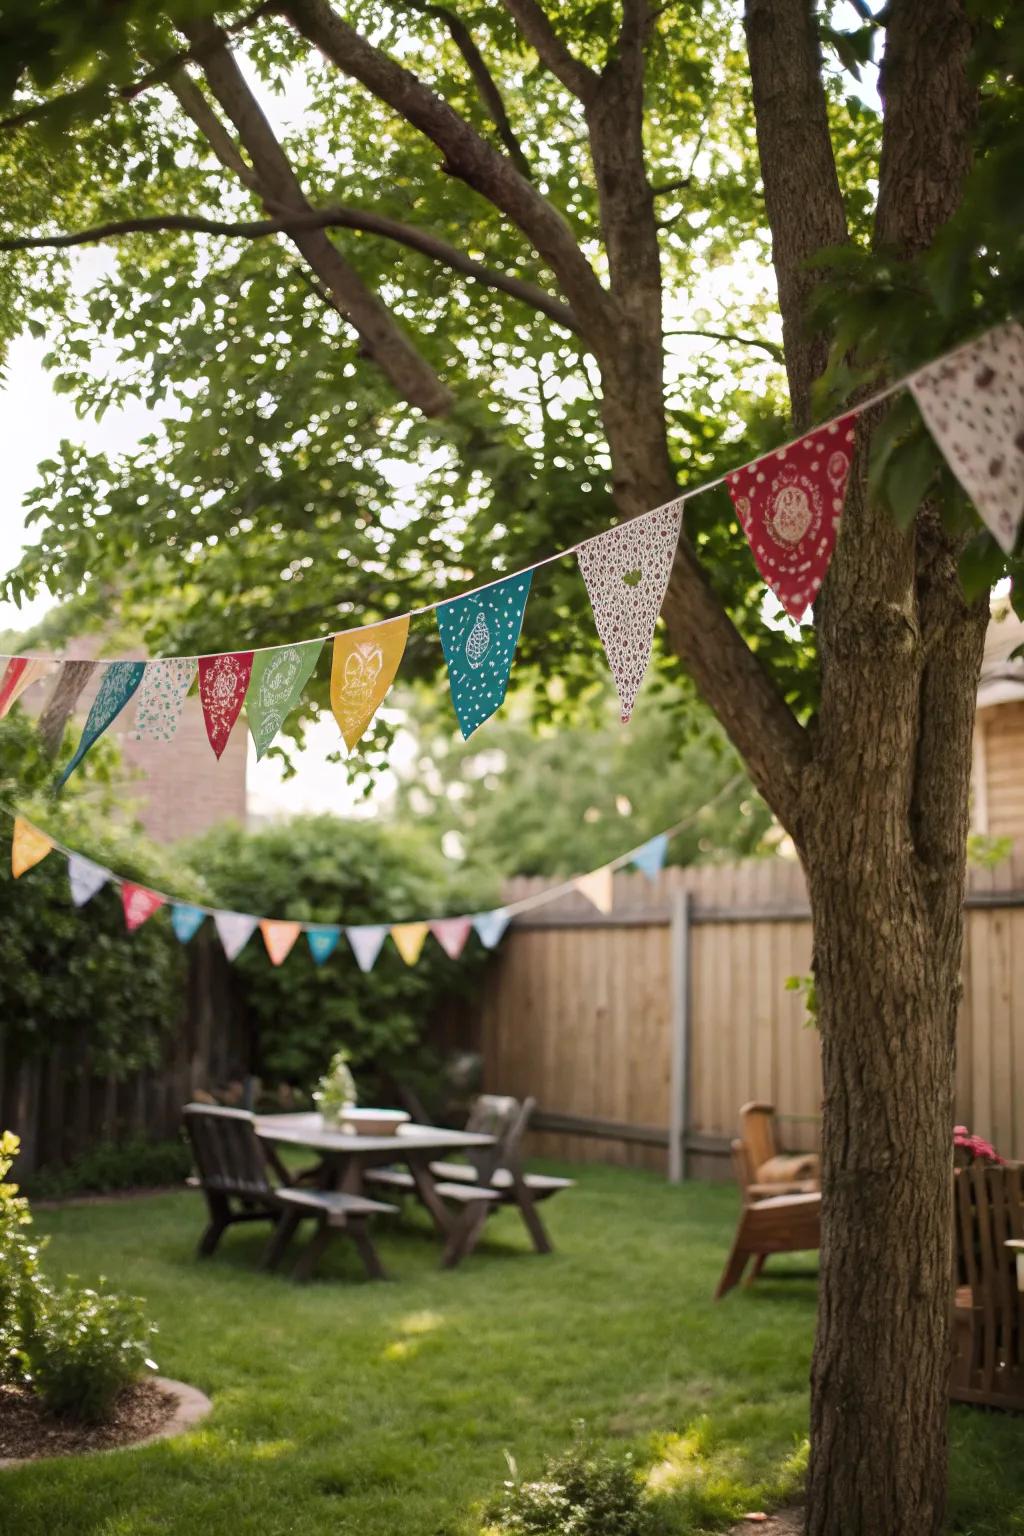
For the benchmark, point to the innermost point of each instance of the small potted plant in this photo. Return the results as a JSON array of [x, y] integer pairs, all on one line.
[[335, 1095]]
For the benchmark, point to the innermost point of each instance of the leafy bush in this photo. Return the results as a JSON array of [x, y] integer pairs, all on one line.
[[84, 1348], [112, 1166], [19, 1266], [320, 868], [580, 1493]]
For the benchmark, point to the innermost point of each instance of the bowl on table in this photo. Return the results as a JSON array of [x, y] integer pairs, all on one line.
[[372, 1122]]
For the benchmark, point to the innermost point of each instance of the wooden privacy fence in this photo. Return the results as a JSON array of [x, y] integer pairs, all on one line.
[[642, 1032]]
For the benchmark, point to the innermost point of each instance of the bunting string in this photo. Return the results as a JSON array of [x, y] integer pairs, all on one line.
[[30, 845]]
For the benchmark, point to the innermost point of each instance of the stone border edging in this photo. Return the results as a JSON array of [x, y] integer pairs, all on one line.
[[192, 1406]]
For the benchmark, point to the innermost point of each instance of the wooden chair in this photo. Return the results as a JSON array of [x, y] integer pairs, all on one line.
[[234, 1171], [988, 1315], [776, 1224], [490, 1177], [774, 1172]]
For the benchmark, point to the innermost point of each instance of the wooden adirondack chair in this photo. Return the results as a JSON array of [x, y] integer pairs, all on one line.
[[776, 1224], [490, 1177], [988, 1316], [236, 1172], [774, 1172]]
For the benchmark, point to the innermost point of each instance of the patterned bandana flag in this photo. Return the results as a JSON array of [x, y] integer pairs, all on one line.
[[279, 937], [186, 920], [626, 571], [409, 940], [322, 942], [28, 846], [85, 878], [973, 404], [491, 925], [139, 904], [366, 941], [19, 674], [362, 670], [451, 933], [597, 888], [162, 695], [278, 678], [234, 929], [789, 504], [118, 683], [479, 634], [650, 858], [222, 684]]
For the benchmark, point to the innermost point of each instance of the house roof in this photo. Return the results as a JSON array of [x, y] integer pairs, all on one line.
[[1002, 680]]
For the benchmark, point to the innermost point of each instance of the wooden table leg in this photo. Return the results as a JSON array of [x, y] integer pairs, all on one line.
[[419, 1167]]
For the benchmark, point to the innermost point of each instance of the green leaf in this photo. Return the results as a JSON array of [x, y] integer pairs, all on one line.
[[981, 566], [912, 466]]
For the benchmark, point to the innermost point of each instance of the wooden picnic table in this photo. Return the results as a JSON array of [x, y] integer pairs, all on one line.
[[345, 1156]]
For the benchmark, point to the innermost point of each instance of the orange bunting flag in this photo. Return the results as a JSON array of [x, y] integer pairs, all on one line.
[[362, 670], [29, 845], [279, 936], [597, 888], [409, 939], [20, 673]]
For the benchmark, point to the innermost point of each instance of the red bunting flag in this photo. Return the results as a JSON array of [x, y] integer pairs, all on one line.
[[223, 681], [139, 904], [789, 504]]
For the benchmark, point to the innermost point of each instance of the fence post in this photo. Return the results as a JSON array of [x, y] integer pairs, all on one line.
[[679, 1080]]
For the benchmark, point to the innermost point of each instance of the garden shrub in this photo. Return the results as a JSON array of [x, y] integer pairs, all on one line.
[[323, 869], [582, 1492], [112, 1166], [20, 1280]]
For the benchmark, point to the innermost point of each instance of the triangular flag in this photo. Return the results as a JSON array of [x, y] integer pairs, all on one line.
[[789, 504], [278, 678], [19, 674], [451, 933], [161, 697], [322, 942], [186, 920], [85, 878], [491, 925], [279, 936], [973, 404], [28, 846], [650, 858], [409, 939], [222, 684], [117, 685], [597, 887], [234, 929], [626, 571], [362, 670], [479, 633], [366, 940], [139, 904]]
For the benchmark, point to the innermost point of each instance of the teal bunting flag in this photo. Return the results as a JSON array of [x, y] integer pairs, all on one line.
[[479, 633], [322, 942], [651, 857], [186, 920], [120, 681], [275, 687]]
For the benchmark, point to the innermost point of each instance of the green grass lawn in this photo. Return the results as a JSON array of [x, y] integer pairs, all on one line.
[[386, 1409]]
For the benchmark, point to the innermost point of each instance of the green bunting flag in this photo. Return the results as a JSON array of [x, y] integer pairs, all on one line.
[[275, 687], [479, 633]]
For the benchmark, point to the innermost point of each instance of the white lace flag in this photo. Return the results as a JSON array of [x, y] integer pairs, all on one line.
[[973, 404], [491, 925], [626, 571], [235, 930], [161, 697], [366, 940], [85, 877]]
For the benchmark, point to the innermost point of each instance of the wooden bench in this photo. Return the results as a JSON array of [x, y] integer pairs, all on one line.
[[234, 1172], [491, 1177], [988, 1307]]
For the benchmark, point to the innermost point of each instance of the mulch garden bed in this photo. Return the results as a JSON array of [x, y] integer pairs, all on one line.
[[785, 1522], [27, 1431]]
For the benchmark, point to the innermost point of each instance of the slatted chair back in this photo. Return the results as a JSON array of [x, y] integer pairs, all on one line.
[[743, 1169], [504, 1118], [229, 1155], [757, 1128], [989, 1211]]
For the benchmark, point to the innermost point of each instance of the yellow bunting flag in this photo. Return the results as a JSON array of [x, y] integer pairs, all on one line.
[[597, 888], [279, 936], [409, 939], [362, 670], [28, 847]]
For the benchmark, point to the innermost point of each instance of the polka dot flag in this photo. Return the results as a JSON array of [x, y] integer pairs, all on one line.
[[479, 633]]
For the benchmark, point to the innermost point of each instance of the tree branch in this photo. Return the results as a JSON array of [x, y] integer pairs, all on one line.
[[533, 23], [467, 155], [484, 80], [334, 217], [732, 339]]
